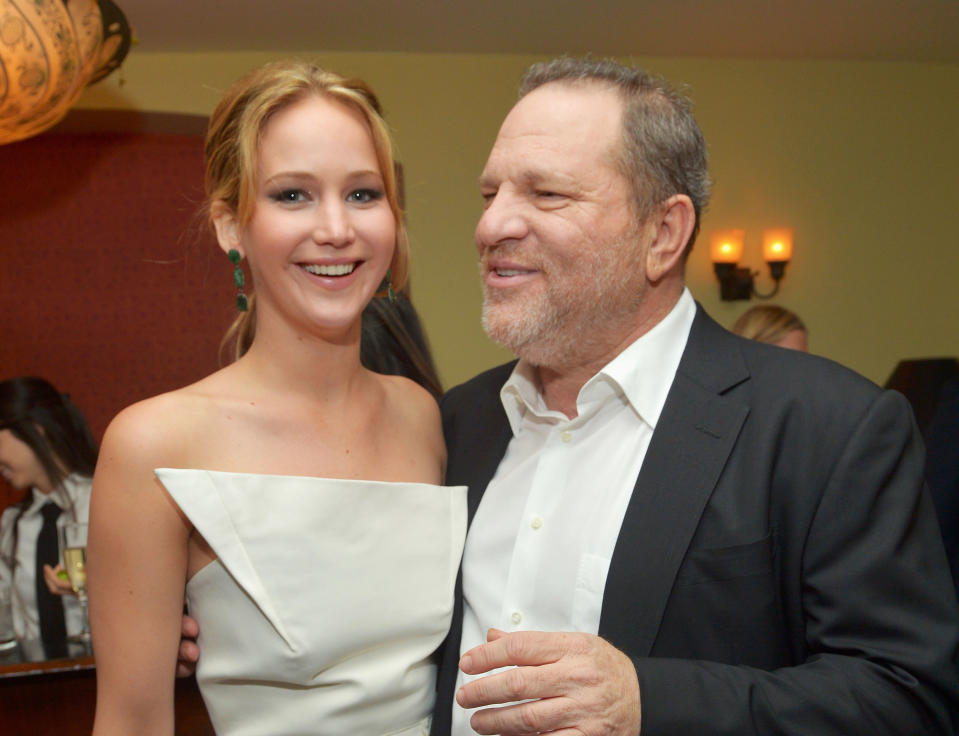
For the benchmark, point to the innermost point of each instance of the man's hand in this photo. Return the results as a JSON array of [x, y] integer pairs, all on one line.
[[576, 684], [189, 652]]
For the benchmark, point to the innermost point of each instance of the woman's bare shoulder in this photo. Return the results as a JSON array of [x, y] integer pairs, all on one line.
[[409, 398], [413, 413], [157, 426]]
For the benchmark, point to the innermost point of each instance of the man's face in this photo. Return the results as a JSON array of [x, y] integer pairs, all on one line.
[[561, 256]]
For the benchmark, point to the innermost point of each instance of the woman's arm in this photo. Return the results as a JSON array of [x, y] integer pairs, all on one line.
[[137, 562]]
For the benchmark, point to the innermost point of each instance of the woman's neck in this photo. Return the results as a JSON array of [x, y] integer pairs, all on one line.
[[307, 365], [43, 485]]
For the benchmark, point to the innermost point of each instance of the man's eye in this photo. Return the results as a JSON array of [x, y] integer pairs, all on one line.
[[363, 196]]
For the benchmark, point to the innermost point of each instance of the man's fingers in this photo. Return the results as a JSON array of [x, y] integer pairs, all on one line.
[[515, 684], [188, 652], [523, 719], [589, 688], [189, 628], [187, 657], [517, 648], [184, 670]]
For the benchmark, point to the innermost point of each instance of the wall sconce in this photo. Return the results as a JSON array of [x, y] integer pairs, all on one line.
[[50, 50], [737, 282]]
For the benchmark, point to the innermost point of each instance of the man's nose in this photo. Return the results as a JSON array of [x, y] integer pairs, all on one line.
[[502, 220]]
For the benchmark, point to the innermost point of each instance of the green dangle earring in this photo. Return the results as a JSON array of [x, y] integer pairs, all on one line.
[[391, 295], [241, 301]]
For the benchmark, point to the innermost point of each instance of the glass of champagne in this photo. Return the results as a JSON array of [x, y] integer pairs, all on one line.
[[73, 547]]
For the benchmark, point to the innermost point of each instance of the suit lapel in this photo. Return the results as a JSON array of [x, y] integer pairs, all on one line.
[[477, 433], [690, 445]]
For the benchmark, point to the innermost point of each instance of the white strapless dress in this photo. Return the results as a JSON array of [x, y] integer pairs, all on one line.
[[327, 599]]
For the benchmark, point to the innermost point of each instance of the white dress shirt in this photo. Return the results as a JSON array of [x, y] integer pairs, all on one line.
[[539, 547], [73, 496]]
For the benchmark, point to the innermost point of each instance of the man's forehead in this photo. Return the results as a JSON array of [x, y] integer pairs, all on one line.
[[578, 119], [567, 100]]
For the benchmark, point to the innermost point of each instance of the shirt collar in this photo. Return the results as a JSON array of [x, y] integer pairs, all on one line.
[[63, 495], [642, 373]]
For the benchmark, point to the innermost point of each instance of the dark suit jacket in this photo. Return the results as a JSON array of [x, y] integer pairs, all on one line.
[[942, 470], [779, 569]]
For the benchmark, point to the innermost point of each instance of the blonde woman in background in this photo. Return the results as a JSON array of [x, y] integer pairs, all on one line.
[[773, 325], [294, 495]]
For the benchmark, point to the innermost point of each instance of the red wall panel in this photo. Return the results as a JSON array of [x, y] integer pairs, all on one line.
[[111, 284]]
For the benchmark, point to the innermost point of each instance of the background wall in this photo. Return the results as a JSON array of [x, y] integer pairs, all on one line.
[[861, 158], [111, 288]]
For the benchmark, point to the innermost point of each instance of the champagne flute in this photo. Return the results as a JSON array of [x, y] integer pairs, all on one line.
[[73, 547]]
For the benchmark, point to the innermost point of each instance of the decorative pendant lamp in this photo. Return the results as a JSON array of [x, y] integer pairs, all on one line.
[[50, 50]]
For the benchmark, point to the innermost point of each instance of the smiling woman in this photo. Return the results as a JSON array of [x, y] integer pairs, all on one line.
[[293, 495], [321, 217]]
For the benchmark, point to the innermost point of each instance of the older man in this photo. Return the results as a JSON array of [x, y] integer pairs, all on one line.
[[674, 531]]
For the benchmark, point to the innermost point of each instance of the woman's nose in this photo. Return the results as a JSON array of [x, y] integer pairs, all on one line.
[[333, 226]]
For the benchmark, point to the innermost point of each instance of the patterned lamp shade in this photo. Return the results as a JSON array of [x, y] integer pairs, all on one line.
[[49, 51]]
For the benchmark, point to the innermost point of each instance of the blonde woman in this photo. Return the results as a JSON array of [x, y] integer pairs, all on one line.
[[294, 494], [773, 325]]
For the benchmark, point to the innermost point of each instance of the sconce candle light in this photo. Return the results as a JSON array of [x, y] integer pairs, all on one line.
[[737, 282]]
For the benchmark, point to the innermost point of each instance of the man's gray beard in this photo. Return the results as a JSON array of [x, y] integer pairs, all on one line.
[[539, 339], [563, 327], [554, 334]]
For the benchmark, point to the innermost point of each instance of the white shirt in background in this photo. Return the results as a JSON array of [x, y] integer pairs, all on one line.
[[73, 496]]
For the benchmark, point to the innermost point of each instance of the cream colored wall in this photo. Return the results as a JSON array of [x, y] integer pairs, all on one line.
[[861, 158]]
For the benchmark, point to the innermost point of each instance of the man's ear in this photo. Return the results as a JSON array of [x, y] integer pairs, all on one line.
[[674, 221], [226, 225]]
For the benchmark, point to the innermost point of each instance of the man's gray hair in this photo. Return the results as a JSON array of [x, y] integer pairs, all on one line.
[[663, 151]]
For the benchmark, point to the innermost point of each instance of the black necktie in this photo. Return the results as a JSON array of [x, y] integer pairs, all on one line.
[[53, 628]]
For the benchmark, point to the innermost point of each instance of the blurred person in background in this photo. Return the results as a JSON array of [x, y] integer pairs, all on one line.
[[47, 449], [773, 325]]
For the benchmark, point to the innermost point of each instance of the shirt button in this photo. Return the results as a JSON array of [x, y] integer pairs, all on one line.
[[566, 435], [516, 618], [536, 523]]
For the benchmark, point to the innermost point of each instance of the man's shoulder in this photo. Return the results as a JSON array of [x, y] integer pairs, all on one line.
[[809, 392], [721, 359], [805, 372]]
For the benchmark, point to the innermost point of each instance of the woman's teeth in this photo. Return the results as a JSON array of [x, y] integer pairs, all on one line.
[[340, 269]]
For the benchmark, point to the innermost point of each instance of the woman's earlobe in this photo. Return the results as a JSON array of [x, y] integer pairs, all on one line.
[[226, 226]]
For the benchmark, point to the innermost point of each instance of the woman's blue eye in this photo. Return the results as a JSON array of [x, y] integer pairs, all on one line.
[[363, 196]]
